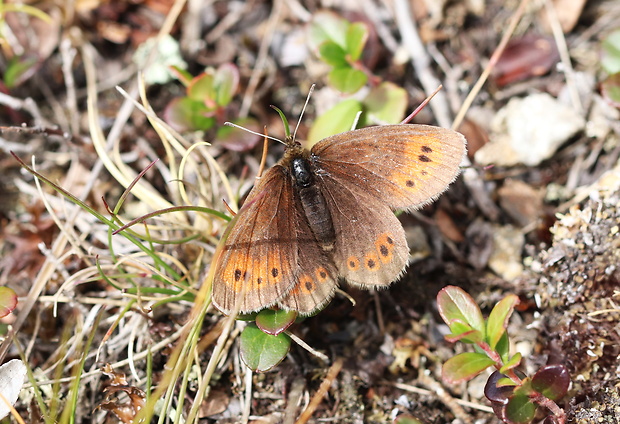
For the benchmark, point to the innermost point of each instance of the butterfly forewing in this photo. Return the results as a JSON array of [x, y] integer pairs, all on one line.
[[403, 166], [259, 258]]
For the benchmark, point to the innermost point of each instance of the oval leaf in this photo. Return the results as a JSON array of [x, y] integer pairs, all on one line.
[[226, 83], [357, 34], [610, 55], [338, 119], [327, 26], [275, 321], [386, 103], [333, 54], [347, 79], [465, 366], [455, 304], [261, 352], [551, 381], [520, 409], [496, 393], [498, 319], [512, 363], [8, 301]]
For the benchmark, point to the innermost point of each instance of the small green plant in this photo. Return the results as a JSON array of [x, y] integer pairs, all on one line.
[[207, 96], [340, 44], [515, 398], [610, 62]]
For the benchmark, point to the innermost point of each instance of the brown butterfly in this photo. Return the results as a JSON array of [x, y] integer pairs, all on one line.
[[327, 213]]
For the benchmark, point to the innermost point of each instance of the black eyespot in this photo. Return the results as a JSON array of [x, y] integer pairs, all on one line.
[[426, 149], [384, 250], [424, 158], [237, 274], [274, 272]]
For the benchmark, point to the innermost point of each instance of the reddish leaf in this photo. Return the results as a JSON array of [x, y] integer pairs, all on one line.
[[525, 57], [8, 301], [275, 321], [551, 381]]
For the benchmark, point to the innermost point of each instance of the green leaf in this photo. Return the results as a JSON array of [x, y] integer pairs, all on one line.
[[275, 321], [185, 114], [610, 54], [226, 83], [498, 319], [406, 419], [202, 89], [465, 366], [18, 70], [511, 364], [182, 75], [260, 351], [333, 54], [610, 88], [503, 347], [8, 301], [520, 409], [347, 79], [505, 382], [455, 305], [356, 38], [463, 333], [327, 26], [386, 103], [337, 120]]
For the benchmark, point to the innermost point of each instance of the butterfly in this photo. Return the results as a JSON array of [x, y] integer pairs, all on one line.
[[326, 214]]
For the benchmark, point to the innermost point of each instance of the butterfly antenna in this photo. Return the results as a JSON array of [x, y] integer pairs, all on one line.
[[230, 124], [422, 105], [303, 110]]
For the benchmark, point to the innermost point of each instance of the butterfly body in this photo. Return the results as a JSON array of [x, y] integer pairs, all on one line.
[[327, 213]]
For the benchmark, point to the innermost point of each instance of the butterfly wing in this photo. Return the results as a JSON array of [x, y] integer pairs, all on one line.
[[404, 166], [316, 278], [364, 174], [370, 248], [257, 264]]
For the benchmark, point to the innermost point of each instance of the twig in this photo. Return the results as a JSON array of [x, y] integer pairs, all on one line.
[[421, 60], [306, 346], [333, 371], [426, 392], [261, 58], [560, 41], [67, 54], [492, 62]]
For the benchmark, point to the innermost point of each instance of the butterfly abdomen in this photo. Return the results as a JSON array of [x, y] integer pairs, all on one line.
[[314, 204]]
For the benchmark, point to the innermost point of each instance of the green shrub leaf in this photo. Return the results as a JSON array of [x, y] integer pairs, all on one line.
[[465, 366], [260, 351], [498, 319]]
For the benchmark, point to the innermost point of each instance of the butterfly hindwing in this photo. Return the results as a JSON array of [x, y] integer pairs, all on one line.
[[316, 277], [370, 248]]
